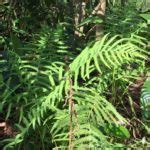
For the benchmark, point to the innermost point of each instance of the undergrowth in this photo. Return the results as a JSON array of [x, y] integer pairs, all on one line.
[[55, 94]]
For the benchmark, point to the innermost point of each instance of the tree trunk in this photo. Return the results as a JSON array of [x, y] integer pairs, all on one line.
[[79, 15], [100, 11]]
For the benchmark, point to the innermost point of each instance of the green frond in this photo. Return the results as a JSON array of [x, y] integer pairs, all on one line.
[[110, 53], [50, 84], [145, 99]]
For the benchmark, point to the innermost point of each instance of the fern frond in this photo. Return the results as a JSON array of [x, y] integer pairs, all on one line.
[[106, 54], [103, 56], [145, 99]]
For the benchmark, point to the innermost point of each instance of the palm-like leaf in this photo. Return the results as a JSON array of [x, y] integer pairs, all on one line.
[[50, 84]]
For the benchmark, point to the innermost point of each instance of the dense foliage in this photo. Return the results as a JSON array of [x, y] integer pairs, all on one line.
[[71, 78]]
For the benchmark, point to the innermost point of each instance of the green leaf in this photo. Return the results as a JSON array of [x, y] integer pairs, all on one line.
[[117, 131], [94, 20], [16, 44], [146, 17]]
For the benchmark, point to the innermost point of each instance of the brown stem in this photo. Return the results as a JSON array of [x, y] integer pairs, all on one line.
[[71, 106]]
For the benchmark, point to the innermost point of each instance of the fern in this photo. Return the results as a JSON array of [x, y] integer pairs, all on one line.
[[58, 94], [145, 99], [49, 85]]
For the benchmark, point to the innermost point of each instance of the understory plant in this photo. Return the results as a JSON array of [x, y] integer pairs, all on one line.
[[64, 101], [61, 87]]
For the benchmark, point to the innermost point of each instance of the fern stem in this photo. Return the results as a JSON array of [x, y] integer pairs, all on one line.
[[71, 107]]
